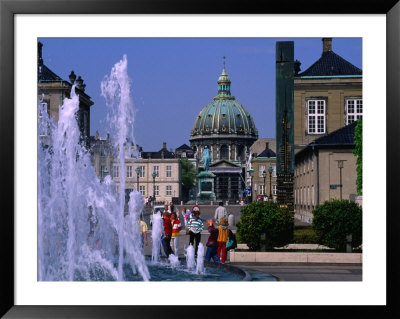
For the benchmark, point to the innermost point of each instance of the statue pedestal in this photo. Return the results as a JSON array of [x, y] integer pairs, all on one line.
[[206, 187]]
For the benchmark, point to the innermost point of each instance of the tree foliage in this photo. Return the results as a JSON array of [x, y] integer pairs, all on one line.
[[358, 152], [336, 219], [188, 173], [267, 218]]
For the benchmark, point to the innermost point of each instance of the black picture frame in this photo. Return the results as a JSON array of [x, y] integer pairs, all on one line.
[[8, 10]]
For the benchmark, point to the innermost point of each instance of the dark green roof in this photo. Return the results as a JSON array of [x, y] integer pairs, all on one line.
[[224, 115]]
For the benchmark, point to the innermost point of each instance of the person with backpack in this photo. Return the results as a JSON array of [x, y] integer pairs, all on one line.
[[232, 243]]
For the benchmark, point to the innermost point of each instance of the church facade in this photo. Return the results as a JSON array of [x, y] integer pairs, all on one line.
[[228, 130]]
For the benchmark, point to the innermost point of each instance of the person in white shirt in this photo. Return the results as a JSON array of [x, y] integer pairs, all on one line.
[[220, 212]]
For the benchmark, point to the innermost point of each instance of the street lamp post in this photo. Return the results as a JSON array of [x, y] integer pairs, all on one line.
[[340, 166], [137, 177], [270, 169], [251, 172], [154, 186], [264, 175]]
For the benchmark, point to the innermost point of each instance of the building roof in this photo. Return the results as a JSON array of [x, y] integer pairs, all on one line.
[[267, 153], [331, 64], [183, 147], [224, 115], [45, 74], [343, 137]]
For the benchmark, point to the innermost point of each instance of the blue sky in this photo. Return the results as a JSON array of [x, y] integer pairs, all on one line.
[[174, 78]]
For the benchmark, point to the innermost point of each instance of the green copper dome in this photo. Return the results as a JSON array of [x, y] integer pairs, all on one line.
[[224, 115]]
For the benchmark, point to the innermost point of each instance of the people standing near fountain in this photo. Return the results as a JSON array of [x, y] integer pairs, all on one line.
[[195, 227], [166, 209], [167, 233], [176, 228], [220, 212], [223, 232], [172, 208], [212, 243], [143, 232]]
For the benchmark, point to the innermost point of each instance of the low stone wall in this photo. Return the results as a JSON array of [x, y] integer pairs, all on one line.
[[293, 257]]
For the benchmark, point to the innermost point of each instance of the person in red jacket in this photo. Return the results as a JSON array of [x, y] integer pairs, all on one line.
[[176, 228], [167, 234]]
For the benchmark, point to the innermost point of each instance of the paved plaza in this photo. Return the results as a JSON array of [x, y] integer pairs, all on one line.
[[257, 270]]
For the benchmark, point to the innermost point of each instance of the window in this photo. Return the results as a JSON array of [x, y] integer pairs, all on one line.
[[156, 190], [129, 171], [261, 169], [312, 195], [262, 190], [168, 171], [142, 171], [168, 190], [224, 152], [157, 170], [354, 110], [316, 116], [142, 189], [274, 171], [115, 171], [274, 189]]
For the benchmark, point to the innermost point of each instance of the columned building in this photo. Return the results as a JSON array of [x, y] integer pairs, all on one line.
[[228, 130]]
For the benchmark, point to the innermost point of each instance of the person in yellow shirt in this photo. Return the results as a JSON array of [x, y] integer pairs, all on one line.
[[223, 234], [143, 232]]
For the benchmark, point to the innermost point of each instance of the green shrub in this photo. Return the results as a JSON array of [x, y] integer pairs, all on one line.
[[305, 235], [267, 218], [334, 220]]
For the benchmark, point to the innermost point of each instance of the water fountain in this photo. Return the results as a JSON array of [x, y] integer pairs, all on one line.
[[84, 232]]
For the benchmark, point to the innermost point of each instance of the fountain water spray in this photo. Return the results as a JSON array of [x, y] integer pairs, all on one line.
[[156, 232], [82, 231], [200, 259], [190, 261], [174, 261], [115, 88]]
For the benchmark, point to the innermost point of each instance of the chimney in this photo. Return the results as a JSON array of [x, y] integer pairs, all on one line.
[[267, 145], [326, 44], [164, 145]]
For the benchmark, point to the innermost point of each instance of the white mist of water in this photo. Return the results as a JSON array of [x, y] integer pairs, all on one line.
[[156, 232], [190, 261], [82, 232], [200, 259], [174, 261]]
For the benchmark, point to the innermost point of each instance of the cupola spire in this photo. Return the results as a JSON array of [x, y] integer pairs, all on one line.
[[224, 82]]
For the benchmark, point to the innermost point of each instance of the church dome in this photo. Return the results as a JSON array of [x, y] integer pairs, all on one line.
[[224, 115]]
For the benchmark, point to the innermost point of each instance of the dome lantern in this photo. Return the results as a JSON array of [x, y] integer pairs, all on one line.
[[224, 83]]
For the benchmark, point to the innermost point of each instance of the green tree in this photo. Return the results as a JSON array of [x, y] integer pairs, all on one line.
[[259, 218], [188, 175], [358, 152]]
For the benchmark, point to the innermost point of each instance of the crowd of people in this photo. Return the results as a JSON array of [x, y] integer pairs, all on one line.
[[221, 239]]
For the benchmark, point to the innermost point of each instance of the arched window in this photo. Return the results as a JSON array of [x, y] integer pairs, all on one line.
[[240, 153], [224, 152]]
